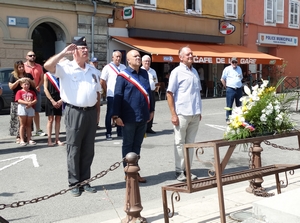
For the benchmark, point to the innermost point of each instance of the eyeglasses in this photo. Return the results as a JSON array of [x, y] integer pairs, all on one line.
[[31, 55]]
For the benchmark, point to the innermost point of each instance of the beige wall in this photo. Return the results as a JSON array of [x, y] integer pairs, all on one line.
[[69, 18], [148, 19]]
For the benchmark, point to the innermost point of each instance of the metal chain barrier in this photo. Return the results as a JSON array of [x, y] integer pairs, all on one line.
[[280, 147], [46, 197]]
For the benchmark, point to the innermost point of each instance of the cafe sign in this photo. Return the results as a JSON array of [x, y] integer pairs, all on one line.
[[222, 60]]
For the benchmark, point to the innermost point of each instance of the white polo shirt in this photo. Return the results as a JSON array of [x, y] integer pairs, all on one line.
[[185, 85], [152, 77], [78, 86], [110, 76]]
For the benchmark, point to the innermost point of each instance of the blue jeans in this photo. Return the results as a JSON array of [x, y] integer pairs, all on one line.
[[231, 95], [133, 136], [109, 113]]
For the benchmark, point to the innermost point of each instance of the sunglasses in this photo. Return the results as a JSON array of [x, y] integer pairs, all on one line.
[[31, 55], [234, 62]]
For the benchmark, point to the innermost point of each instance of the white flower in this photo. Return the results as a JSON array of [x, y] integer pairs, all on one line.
[[265, 83], [247, 90], [263, 118], [277, 108]]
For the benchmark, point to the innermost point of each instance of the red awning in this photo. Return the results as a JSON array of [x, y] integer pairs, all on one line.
[[167, 51]]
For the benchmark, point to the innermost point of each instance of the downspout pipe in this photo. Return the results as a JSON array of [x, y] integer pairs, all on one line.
[[242, 26], [93, 30]]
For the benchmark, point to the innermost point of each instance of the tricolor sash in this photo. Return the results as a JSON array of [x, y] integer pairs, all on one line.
[[114, 68], [137, 84], [54, 81]]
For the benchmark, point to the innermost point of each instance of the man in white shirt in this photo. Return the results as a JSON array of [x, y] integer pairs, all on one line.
[[108, 81], [80, 90], [184, 100], [146, 62], [232, 80]]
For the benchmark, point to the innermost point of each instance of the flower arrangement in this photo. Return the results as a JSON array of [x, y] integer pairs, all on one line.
[[263, 111]]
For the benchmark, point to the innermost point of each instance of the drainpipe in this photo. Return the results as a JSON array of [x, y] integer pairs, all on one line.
[[242, 27], [93, 24]]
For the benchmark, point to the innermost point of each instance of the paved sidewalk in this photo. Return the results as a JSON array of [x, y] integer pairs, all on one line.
[[200, 207]]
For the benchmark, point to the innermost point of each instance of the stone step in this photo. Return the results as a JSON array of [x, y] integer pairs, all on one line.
[[280, 208]]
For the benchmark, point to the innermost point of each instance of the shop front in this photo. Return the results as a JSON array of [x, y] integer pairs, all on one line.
[[211, 57]]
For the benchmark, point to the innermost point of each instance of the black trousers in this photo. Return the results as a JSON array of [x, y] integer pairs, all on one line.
[[80, 139]]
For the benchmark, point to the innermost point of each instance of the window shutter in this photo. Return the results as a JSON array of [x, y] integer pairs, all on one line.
[[269, 11], [294, 14], [280, 11], [230, 8]]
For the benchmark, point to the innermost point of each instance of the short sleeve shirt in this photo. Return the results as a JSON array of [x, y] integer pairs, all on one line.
[[152, 77], [25, 95], [185, 85], [109, 74], [78, 86], [233, 77], [35, 71], [12, 80]]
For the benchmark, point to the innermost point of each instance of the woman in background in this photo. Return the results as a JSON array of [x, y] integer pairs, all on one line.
[[15, 80], [53, 108]]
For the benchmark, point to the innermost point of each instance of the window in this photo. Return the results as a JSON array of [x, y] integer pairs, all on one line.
[[280, 11], [294, 14], [143, 1], [193, 6], [269, 11], [145, 4], [274, 12], [230, 8]]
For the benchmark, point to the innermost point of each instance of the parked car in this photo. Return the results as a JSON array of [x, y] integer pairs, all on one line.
[[5, 98]]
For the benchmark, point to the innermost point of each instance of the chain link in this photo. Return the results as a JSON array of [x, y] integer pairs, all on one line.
[[280, 147], [46, 197]]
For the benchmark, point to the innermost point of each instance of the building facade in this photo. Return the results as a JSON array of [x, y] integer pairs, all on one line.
[[216, 31], [175, 21], [213, 29], [273, 28], [46, 27]]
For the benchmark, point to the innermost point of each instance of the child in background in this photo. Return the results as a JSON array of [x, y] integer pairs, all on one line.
[[26, 100]]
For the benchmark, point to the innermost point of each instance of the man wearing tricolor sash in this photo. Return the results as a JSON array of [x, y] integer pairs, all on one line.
[[133, 105], [108, 81]]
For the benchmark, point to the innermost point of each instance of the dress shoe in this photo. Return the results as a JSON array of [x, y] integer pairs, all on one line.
[[89, 189], [76, 192], [141, 179], [150, 131]]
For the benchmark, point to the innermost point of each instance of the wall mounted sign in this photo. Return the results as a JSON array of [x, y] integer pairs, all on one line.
[[226, 28], [265, 38], [128, 12], [17, 21], [168, 58]]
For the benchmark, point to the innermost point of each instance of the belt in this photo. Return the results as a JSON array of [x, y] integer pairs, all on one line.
[[234, 88], [81, 108]]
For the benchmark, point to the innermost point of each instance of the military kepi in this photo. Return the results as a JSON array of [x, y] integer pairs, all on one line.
[[80, 42]]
